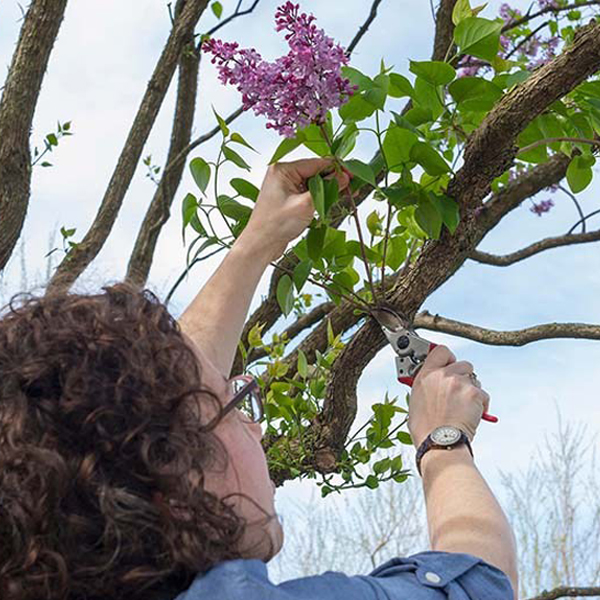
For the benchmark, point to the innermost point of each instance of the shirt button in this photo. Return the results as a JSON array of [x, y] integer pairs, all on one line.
[[432, 577]]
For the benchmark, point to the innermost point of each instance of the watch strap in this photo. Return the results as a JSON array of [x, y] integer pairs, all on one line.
[[429, 444]]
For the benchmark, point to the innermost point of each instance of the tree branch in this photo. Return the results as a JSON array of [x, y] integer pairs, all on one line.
[[548, 331], [364, 27], [17, 107], [563, 592], [545, 244], [549, 9], [159, 211], [297, 327], [82, 255]]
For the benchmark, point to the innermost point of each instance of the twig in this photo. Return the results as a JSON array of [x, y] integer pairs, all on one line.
[[558, 139], [549, 9], [363, 29], [584, 219], [525, 40], [572, 196], [563, 592], [235, 14]]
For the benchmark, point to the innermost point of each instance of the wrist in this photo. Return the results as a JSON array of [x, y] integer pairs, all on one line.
[[437, 459], [253, 246]]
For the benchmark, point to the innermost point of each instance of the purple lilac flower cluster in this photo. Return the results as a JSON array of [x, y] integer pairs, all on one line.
[[536, 50], [543, 207], [297, 89]]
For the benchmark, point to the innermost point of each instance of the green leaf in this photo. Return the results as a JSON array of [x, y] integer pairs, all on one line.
[[374, 224], [396, 147], [245, 188], [474, 93], [399, 197], [317, 191], [579, 174], [429, 159], [361, 170], [217, 9], [427, 96], [331, 193], [462, 10], [396, 252], [435, 72], [53, 141], [478, 37], [233, 209], [404, 438], [237, 138], [450, 213], [201, 173], [344, 143], [419, 115], [188, 209], [285, 294], [428, 218], [382, 465], [358, 78], [377, 94], [372, 482], [301, 273], [399, 86], [314, 140], [356, 109], [302, 364], [255, 335], [222, 124], [235, 158], [286, 146], [314, 241], [532, 133]]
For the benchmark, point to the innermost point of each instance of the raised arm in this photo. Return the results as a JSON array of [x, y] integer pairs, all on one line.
[[215, 318], [463, 514]]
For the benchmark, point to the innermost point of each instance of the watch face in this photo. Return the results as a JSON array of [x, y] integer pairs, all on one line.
[[445, 435]]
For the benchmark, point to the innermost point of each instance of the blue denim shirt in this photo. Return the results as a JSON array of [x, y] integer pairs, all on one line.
[[423, 576]]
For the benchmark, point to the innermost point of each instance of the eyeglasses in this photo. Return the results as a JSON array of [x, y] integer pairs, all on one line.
[[246, 397]]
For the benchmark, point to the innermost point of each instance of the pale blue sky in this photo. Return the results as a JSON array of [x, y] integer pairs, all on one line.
[[102, 61]]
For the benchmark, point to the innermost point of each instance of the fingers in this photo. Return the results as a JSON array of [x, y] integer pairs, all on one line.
[[462, 367], [440, 356], [305, 168]]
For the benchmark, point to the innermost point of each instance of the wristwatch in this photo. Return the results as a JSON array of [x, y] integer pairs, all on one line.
[[446, 436]]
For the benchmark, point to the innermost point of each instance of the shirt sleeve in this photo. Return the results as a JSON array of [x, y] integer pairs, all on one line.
[[441, 576]]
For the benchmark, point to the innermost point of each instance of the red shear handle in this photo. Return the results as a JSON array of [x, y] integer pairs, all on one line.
[[410, 380]]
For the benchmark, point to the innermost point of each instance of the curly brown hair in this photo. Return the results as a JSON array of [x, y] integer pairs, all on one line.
[[100, 398]]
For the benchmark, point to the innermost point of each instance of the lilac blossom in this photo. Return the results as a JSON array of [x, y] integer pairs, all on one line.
[[509, 14], [543, 207], [297, 89], [548, 4]]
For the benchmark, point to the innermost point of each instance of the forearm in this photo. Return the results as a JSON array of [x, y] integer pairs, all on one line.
[[462, 513], [215, 318]]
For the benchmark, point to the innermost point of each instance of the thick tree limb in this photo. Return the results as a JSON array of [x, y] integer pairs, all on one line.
[[17, 107], [159, 210], [548, 331], [81, 256], [444, 29], [545, 244], [564, 592]]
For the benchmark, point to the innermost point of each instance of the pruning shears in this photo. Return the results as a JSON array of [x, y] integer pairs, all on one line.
[[411, 349]]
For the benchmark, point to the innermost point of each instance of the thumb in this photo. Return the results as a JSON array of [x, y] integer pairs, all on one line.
[[307, 167]]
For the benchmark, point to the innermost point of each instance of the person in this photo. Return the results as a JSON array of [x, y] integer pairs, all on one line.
[[131, 464]]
